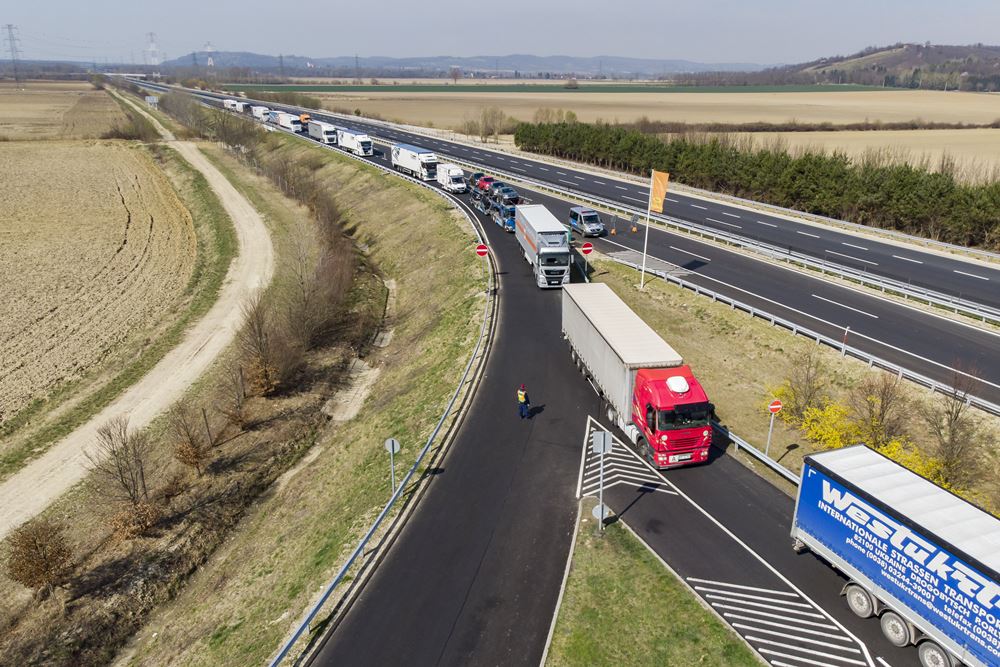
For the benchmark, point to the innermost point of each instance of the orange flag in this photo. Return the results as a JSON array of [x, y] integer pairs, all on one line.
[[660, 179]]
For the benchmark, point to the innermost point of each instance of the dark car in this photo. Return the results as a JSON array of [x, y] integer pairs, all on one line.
[[474, 179], [509, 195], [495, 187]]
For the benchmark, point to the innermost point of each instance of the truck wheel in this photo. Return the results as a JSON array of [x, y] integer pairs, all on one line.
[[894, 628], [645, 451], [859, 601], [932, 655], [612, 415]]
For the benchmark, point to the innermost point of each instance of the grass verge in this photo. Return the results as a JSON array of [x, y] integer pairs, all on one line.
[[622, 607], [216, 248], [299, 533]]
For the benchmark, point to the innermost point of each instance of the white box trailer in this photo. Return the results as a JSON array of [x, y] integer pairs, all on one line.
[[919, 557], [451, 178], [545, 243], [358, 143], [289, 121], [415, 161], [241, 107], [260, 113], [325, 133], [229, 104], [613, 343]]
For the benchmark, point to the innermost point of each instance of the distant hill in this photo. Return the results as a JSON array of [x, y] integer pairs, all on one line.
[[935, 66], [610, 66]]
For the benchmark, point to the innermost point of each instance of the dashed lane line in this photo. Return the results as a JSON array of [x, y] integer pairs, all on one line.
[[971, 275], [851, 245], [727, 224], [837, 303], [731, 215], [856, 259], [704, 208], [907, 259], [807, 234], [769, 224]]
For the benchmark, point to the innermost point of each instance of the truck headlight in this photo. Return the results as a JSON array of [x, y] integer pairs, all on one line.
[[705, 433]]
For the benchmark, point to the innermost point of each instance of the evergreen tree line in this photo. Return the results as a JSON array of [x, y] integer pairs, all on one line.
[[873, 191]]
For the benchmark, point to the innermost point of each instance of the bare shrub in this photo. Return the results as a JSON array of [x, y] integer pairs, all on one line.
[[879, 408], [120, 459], [455, 73], [490, 122], [960, 442], [806, 382], [135, 521], [39, 555], [232, 392], [256, 342]]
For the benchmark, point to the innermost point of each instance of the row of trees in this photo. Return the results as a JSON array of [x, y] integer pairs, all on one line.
[[874, 190]]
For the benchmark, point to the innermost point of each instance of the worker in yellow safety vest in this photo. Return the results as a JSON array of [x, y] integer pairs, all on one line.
[[523, 403]]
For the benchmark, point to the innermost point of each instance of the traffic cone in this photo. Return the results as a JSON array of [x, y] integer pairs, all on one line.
[[614, 231], [634, 229]]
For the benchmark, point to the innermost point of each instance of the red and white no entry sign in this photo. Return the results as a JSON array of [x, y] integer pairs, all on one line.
[[482, 250], [774, 406], [587, 248]]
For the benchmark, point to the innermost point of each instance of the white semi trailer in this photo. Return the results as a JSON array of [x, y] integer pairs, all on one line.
[[325, 133], [918, 557], [289, 122], [229, 105], [358, 143], [260, 113], [545, 243], [415, 161]]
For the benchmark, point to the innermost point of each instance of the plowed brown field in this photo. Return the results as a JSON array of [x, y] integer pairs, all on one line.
[[50, 110], [95, 251]]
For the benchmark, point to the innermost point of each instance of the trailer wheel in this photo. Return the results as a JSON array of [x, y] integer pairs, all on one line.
[[859, 601], [932, 655], [612, 414], [894, 628]]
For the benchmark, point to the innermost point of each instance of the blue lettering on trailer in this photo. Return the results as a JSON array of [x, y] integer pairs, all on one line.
[[937, 586]]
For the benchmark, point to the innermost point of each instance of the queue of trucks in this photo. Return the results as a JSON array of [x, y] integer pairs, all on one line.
[[921, 560]]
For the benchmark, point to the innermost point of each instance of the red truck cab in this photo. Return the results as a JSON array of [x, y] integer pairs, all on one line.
[[672, 413]]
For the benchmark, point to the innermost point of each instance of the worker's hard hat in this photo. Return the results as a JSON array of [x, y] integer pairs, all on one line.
[[522, 386]]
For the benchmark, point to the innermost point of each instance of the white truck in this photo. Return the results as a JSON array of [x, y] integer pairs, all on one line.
[[260, 113], [921, 559], [289, 121], [241, 107], [229, 105], [358, 143], [325, 133], [545, 243], [415, 161], [451, 178]]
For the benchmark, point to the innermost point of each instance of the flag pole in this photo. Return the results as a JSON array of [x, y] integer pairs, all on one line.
[[645, 242]]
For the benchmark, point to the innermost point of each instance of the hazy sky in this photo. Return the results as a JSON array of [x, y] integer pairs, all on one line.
[[764, 31]]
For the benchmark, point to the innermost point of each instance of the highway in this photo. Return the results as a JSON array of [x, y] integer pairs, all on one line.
[[473, 577], [943, 273]]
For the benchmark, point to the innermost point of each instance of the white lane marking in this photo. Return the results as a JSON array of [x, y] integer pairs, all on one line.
[[806, 234], [741, 587], [641, 201], [580, 177], [599, 182], [785, 635], [971, 275], [727, 224], [543, 168], [907, 259], [500, 158], [731, 215], [464, 149], [783, 610], [748, 596], [688, 252], [823, 298], [621, 187], [883, 662], [519, 169], [856, 259], [818, 654], [704, 208], [796, 628], [851, 245], [566, 182], [673, 200], [761, 222], [772, 615], [561, 173]]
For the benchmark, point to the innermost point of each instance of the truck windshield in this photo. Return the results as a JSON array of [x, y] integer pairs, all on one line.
[[559, 259], [457, 180], [684, 416], [366, 146]]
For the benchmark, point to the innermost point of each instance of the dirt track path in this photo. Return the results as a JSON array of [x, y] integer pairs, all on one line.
[[46, 478]]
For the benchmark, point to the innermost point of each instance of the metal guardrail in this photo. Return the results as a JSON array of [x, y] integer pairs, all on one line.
[[740, 443], [359, 550], [797, 329]]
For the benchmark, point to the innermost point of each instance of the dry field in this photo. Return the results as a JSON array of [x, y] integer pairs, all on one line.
[[57, 109], [96, 250], [450, 109], [976, 152]]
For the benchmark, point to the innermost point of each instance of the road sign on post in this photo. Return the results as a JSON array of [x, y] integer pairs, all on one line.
[[482, 250], [774, 407], [601, 445], [392, 446], [586, 249]]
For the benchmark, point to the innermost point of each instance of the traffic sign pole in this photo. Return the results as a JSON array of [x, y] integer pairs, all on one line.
[[601, 445], [586, 249], [774, 407]]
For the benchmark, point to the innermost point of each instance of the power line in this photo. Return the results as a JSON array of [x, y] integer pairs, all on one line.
[[12, 47]]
